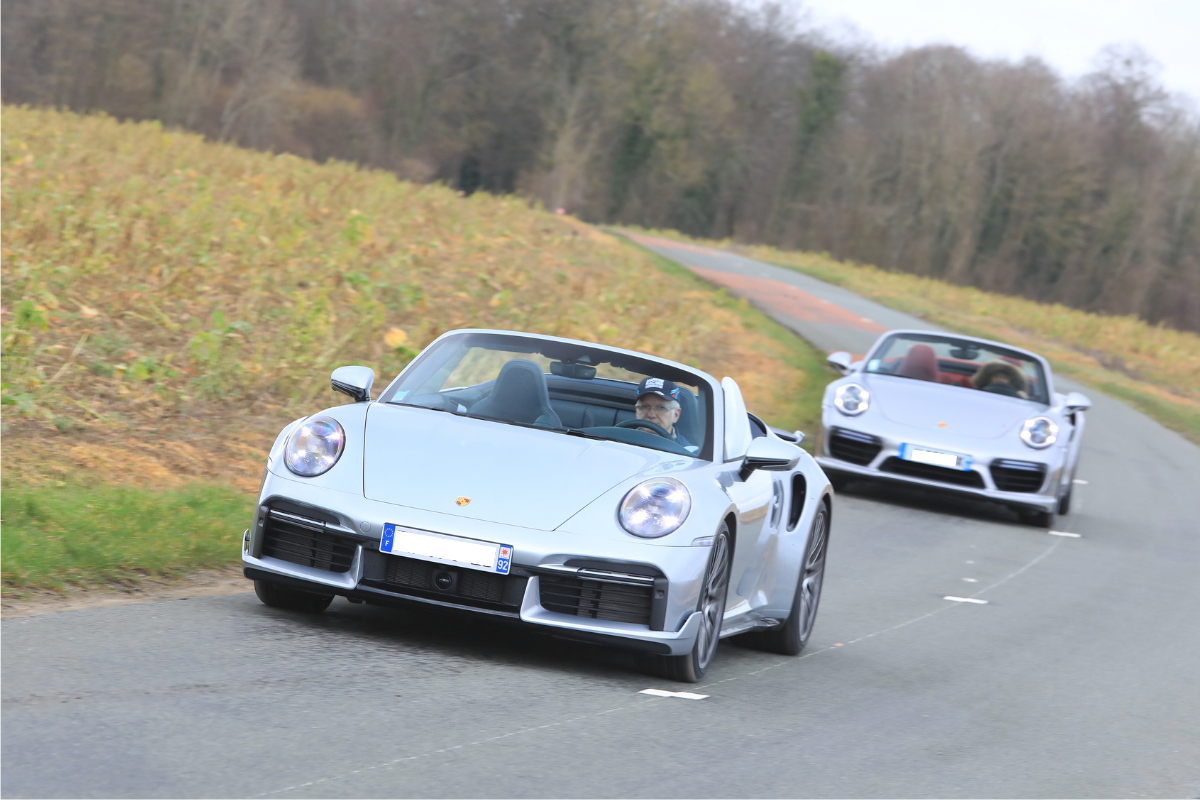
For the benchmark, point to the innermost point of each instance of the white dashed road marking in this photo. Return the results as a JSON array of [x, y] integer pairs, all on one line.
[[954, 599], [1065, 533], [1080, 482], [565, 723], [684, 695]]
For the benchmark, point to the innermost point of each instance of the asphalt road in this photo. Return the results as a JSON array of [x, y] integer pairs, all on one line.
[[1077, 679]]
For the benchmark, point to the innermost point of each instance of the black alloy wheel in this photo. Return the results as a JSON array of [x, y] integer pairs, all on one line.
[[690, 668], [277, 596], [790, 637]]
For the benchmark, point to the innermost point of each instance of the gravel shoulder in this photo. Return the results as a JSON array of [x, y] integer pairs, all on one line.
[[205, 583]]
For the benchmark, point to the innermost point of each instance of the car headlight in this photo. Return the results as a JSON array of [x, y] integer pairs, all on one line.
[[655, 507], [1039, 432], [314, 447], [851, 399]]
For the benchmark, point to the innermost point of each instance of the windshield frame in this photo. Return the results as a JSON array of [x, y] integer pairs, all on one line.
[[933, 337], [624, 359]]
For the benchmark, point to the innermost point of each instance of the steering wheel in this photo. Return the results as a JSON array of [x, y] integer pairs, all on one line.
[[654, 427]]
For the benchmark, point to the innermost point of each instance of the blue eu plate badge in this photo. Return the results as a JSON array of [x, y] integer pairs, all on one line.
[[504, 559]]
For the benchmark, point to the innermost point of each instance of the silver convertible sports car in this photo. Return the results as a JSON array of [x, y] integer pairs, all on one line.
[[952, 412], [597, 493]]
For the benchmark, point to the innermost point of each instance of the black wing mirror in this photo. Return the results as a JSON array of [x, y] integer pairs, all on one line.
[[840, 361], [1077, 402], [354, 381], [774, 455]]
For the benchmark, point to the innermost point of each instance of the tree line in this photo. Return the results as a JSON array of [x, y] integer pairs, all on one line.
[[706, 116]]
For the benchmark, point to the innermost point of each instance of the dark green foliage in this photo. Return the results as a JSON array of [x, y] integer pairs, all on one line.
[[818, 102]]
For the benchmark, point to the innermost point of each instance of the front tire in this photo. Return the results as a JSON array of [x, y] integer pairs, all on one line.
[[277, 596], [789, 639], [838, 480], [690, 668], [1064, 503], [1038, 518]]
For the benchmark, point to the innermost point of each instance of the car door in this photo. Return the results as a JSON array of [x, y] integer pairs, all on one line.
[[752, 497]]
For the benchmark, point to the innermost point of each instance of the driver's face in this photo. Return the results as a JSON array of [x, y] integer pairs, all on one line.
[[653, 408]]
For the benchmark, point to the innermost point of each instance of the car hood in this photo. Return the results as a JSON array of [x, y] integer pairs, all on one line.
[[951, 409], [512, 475]]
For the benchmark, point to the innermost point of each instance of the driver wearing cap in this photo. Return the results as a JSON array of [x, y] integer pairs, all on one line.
[[657, 403]]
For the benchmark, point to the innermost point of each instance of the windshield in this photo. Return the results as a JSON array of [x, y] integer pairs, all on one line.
[[570, 388], [961, 362]]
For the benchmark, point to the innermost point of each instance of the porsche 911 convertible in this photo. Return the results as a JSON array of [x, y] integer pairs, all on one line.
[[954, 413], [598, 493]]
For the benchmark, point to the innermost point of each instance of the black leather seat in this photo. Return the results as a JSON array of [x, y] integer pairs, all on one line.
[[689, 417], [519, 395], [574, 414]]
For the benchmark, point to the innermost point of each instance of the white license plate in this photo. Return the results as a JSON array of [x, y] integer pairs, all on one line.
[[469, 553], [935, 458]]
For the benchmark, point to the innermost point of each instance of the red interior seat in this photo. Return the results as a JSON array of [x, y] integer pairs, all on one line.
[[920, 363]]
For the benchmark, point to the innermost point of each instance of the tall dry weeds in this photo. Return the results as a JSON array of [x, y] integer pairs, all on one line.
[[169, 302]]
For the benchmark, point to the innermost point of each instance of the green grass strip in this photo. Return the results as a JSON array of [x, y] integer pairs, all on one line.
[[53, 537]]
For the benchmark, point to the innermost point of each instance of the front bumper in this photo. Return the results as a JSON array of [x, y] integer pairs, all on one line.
[[625, 593], [881, 464], [1040, 502]]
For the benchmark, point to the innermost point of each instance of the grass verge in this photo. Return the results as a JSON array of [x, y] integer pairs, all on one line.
[[54, 537]]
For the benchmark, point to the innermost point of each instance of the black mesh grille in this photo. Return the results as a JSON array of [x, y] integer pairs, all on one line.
[[412, 573], [857, 448], [307, 543], [1018, 476], [596, 599], [930, 472]]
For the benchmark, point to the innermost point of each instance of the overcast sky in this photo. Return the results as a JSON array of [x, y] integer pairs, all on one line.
[[1067, 34]]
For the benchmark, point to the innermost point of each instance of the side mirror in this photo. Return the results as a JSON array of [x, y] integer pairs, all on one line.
[[793, 437], [840, 361], [354, 381], [1077, 402], [774, 455]]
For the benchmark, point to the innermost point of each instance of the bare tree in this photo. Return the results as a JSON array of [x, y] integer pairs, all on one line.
[[711, 116]]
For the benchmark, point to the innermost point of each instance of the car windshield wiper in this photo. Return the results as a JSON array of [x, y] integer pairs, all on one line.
[[582, 433], [429, 408], [905, 377]]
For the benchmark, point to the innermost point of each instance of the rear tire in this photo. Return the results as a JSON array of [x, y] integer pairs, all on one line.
[[690, 668], [277, 596], [789, 639]]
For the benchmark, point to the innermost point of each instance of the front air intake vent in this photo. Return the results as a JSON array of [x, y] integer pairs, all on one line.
[[1018, 476], [596, 599], [929, 472], [854, 447], [411, 573], [305, 541]]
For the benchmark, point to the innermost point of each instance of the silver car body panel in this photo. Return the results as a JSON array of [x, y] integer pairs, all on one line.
[[554, 498], [952, 419]]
